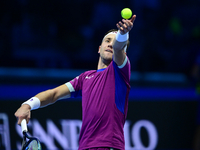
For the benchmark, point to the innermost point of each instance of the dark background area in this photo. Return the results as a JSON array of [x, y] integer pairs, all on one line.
[[66, 34]]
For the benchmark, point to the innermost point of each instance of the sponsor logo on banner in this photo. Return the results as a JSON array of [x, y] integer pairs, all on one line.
[[4, 132], [67, 134]]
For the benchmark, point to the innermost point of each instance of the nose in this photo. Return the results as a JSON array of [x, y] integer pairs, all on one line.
[[110, 45]]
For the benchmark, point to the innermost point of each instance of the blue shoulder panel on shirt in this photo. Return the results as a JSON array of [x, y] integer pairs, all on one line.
[[76, 94], [101, 69], [120, 89]]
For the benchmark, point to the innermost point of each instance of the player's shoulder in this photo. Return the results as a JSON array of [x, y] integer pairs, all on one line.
[[89, 72], [123, 65]]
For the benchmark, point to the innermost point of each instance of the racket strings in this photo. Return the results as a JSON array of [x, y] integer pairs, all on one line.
[[34, 145]]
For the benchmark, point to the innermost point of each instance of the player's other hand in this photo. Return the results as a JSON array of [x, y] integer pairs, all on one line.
[[24, 112], [126, 25]]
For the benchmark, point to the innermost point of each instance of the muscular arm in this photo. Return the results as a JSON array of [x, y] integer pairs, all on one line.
[[52, 95], [46, 98], [125, 27]]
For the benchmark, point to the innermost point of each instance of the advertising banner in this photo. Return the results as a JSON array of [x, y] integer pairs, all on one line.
[[150, 125]]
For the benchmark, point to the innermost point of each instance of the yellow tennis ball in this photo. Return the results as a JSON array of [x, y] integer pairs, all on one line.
[[126, 13]]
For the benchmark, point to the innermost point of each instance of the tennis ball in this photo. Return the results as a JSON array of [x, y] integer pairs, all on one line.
[[126, 13]]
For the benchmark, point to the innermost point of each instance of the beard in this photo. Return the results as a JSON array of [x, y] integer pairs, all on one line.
[[106, 59]]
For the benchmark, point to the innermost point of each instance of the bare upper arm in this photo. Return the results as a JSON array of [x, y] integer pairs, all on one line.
[[62, 91]]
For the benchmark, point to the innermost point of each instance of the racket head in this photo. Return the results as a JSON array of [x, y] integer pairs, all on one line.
[[31, 144]]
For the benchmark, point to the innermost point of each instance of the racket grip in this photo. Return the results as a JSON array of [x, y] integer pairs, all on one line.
[[24, 126]]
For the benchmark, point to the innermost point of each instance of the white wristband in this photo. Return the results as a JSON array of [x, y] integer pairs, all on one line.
[[33, 102], [122, 38]]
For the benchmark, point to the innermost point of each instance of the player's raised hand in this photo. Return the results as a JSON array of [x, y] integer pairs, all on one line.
[[126, 25]]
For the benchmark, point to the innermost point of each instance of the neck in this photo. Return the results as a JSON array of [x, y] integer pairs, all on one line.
[[102, 64]]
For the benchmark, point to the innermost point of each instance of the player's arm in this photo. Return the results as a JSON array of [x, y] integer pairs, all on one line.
[[52, 95], [40, 100], [120, 41]]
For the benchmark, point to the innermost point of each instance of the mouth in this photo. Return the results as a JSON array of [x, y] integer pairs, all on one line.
[[108, 50]]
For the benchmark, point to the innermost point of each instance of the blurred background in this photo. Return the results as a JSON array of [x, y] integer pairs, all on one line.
[[46, 43]]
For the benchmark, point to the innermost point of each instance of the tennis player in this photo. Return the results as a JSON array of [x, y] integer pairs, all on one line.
[[104, 94]]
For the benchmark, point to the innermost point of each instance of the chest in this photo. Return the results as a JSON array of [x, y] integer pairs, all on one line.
[[98, 82]]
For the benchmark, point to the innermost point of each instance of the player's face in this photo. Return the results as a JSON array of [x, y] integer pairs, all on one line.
[[105, 49]]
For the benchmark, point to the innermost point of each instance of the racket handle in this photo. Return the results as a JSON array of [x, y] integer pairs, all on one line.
[[24, 126]]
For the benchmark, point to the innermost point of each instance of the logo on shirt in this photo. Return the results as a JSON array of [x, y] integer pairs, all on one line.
[[89, 77]]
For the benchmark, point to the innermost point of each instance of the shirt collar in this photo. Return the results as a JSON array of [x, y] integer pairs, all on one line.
[[101, 69]]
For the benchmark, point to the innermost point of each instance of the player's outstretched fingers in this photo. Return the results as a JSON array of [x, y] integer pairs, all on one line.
[[120, 27], [133, 18], [123, 26], [128, 24]]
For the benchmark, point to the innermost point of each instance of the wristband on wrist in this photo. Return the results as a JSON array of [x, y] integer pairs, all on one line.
[[122, 38], [33, 102]]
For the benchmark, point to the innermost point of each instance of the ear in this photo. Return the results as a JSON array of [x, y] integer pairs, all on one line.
[[99, 49]]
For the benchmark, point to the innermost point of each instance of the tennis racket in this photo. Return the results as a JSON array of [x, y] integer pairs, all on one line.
[[32, 143]]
